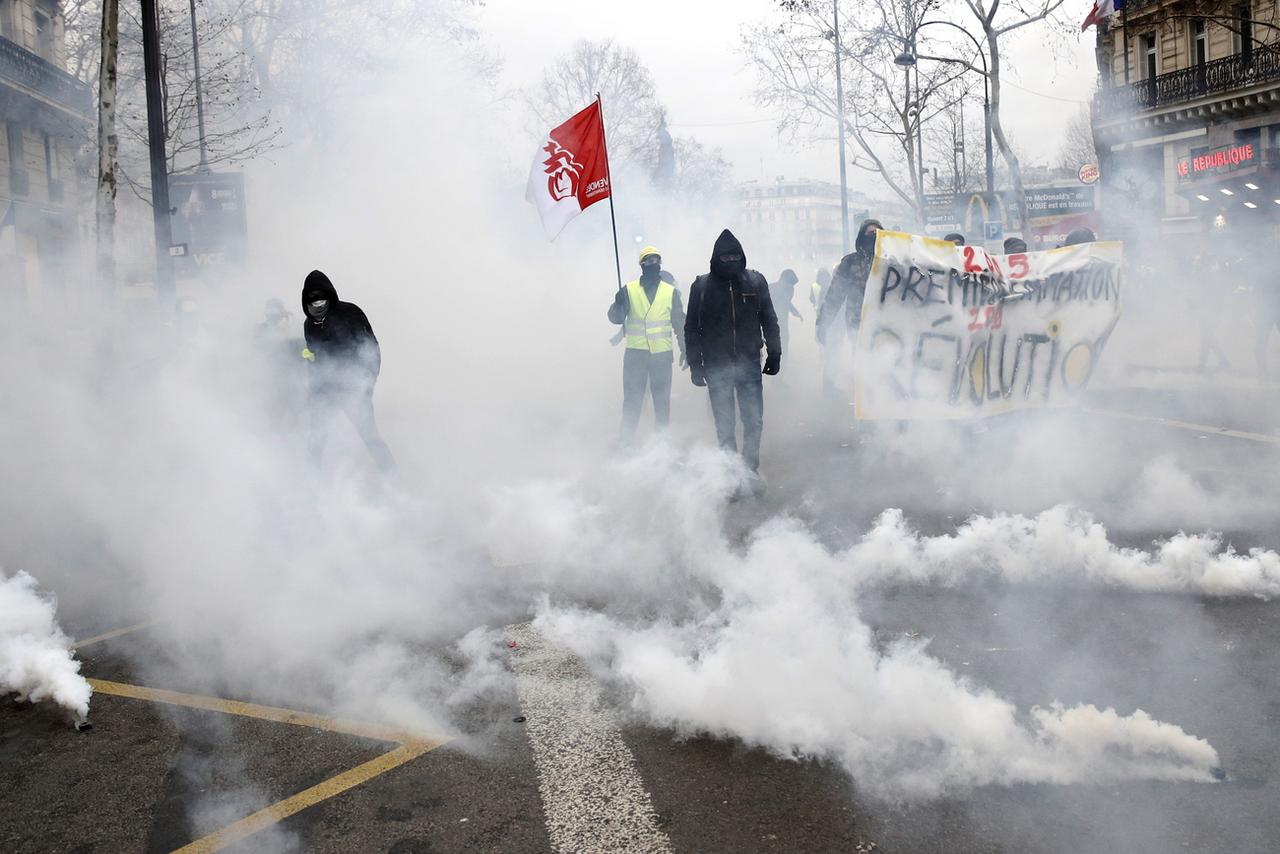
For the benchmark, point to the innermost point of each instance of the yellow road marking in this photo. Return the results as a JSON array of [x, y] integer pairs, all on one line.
[[253, 710], [1188, 425], [268, 816], [408, 747], [115, 633]]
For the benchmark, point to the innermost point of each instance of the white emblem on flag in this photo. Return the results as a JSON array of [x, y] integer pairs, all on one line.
[[563, 172]]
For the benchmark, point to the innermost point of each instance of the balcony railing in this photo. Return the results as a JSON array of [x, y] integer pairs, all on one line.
[[22, 66], [1187, 84]]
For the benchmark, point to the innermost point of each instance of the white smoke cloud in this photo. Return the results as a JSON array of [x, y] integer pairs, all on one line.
[[784, 660], [335, 592], [36, 662], [1059, 545]]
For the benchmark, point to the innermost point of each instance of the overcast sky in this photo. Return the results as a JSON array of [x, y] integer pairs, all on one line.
[[691, 48]]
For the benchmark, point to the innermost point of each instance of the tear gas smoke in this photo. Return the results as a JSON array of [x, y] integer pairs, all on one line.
[[147, 478], [1059, 545], [36, 662], [768, 645]]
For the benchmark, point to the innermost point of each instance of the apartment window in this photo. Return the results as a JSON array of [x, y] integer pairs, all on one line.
[[52, 171], [1149, 56], [1243, 25], [18, 181], [44, 33], [6, 19], [1199, 42]]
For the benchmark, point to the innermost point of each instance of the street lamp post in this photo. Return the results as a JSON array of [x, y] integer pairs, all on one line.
[[844, 183], [908, 58]]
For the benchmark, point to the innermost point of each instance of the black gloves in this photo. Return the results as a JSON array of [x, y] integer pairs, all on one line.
[[698, 377], [772, 364]]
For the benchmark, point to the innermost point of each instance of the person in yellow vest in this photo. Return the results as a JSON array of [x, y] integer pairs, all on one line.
[[651, 314], [818, 289]]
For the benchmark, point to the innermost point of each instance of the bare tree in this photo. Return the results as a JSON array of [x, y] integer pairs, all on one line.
[[884, 104], [238, 125], [1077, 142], [304, 56], [997, 19], [632, 112], [700, 174], [949, 138], [108, 144]]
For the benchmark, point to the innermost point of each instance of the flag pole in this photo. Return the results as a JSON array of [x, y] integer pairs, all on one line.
[[613, 218]]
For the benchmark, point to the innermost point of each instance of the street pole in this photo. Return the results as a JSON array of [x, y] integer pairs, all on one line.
[[195, 59], [919, 127], [844, 183], [608, 176], [986, 129], [156, 142]]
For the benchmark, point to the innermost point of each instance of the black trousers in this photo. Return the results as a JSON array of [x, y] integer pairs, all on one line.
[[357, 402], [640, 370], [741, 382]]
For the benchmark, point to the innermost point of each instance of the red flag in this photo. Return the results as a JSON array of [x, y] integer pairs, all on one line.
[[570, 171]]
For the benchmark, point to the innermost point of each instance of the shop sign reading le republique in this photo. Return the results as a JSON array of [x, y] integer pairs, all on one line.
[[1218, 160]]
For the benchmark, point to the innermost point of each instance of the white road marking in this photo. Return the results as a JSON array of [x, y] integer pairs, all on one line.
[[592, 795], [1207, 429]]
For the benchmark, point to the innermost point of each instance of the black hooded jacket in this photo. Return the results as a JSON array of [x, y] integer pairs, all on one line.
[[730, 314], [342, 340], [849, 283]]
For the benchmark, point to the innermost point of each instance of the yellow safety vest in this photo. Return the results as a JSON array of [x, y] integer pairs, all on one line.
[[815, 293], [649, 324]]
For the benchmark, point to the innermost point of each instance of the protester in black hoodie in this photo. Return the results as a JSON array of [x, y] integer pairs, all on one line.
[[345, 361], [849, 284], [730, 318]]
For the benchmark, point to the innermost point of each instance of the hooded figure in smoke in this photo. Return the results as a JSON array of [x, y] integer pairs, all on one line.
[[849, 284], [345, 359], [782, 292], [731, 317]]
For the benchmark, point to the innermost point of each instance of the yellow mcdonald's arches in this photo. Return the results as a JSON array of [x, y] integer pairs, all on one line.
[[981, 201]]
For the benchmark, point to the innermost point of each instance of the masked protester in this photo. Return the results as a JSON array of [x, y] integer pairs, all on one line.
[[1014, 246], [731, 317], [782, 292], [1080, 235], [849, 284], [345, 361], [651, 315]]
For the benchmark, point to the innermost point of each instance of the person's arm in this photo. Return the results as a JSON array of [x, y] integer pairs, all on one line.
[[692, 334], [832, 301], [768, 318], [795, 311], [677, 322], [618, 310]]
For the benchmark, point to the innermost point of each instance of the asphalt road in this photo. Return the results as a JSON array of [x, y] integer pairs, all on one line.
[[152, 776]]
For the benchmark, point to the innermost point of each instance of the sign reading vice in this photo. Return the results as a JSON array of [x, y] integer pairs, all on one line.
[[953, 332], [208, 222]]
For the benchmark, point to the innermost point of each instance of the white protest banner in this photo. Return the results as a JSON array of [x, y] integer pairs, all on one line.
[[952, 332]]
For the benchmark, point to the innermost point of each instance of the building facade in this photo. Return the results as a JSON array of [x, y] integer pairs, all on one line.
[[793, 224], [1187, 124], [46, 115]]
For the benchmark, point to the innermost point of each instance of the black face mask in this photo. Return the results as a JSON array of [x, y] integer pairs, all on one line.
[[649, 273], [316, 311], [866, 243], [728, 269]]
